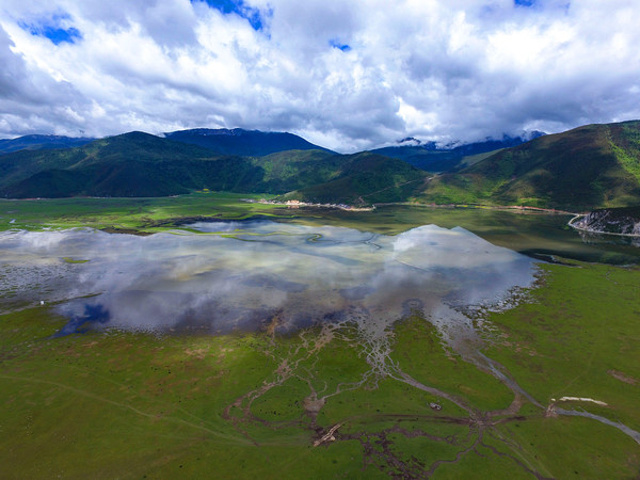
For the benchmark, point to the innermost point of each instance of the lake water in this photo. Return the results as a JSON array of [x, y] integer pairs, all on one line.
[[256, 275]]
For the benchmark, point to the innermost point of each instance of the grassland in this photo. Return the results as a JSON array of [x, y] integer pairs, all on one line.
[[134, 405], [314, 404], [138, 214]]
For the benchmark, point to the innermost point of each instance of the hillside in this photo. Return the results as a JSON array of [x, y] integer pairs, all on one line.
[[619, 221], [297, 169], [594, 166], [139, 164], [366, 178], [431, 158], [133, 164], [248, 143]]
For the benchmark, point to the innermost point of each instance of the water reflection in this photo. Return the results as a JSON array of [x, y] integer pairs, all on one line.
[[249, 275], [592, 238]]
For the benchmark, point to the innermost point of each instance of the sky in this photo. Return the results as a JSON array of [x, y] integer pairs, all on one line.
[[345, 74]]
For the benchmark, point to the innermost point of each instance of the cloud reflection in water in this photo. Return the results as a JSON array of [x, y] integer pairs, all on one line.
[[242, 275]]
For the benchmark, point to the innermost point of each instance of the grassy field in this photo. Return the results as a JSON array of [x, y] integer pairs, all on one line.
[[579, 338], [140, 214], [127, 405], [327, 402]]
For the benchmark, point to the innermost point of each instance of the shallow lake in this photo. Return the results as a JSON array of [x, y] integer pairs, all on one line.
[[255, 274], [375, 267], [530, 233]]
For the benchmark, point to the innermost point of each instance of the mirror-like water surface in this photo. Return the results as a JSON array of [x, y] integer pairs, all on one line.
[[532, 233], [257, 274]]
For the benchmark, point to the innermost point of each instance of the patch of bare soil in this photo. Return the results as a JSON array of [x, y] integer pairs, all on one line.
[[199, 353], [623, 377]]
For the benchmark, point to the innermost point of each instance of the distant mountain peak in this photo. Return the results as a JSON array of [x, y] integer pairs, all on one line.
[[209, 132], [409, 141], [528, 135], [506, 140], [238, 141], [40, 142]]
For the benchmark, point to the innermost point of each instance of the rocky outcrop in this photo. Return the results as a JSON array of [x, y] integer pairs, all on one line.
[[619, 221]]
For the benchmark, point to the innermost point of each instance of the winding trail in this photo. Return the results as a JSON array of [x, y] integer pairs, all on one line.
[[552, 409]]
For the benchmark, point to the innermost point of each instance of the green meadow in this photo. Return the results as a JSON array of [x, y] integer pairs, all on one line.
[[137, 214], [326, 402]]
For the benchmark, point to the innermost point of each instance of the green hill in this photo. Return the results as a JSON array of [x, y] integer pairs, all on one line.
[[366, 178], [139, 164], [133, 164], [596, 166], [589, 167]]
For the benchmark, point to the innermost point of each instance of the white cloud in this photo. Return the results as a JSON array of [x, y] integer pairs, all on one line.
[[447, 70]]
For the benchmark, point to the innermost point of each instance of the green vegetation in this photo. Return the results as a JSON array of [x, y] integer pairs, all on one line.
[[131, 214], [625, 142], [423, 357], [458, 190], [134, 405], [134, 164], [141, 165], [365, 179], [293, 169], [590, 167], [130, 405], [577, 338], [596, 166]]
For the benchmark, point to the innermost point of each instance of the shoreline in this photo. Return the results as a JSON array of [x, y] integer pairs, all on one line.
[[293, 204], [597, 232], [518, 208]]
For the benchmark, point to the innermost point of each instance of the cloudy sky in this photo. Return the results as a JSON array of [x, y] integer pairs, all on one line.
[[346, 74]]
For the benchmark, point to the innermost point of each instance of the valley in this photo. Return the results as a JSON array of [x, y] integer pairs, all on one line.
[[167, 309], [360, 372], [269, 239]]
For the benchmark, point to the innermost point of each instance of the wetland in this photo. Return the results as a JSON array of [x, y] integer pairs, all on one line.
[[402, 343], [244, 275]]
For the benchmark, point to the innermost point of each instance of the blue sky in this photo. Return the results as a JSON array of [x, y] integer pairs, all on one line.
[[237, 7], [53, 29], [346, 74]]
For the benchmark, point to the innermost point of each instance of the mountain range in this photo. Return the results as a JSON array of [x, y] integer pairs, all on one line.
[[38, 142], [593, 166], [589, 167], [249, 143], [431, 157]]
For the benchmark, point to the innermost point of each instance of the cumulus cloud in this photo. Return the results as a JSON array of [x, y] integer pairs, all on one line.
[[349, 75]]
